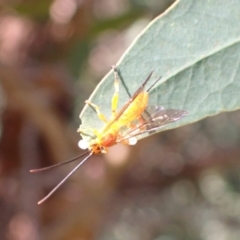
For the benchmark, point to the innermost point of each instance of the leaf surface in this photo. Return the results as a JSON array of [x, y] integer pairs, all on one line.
[[195, 47]]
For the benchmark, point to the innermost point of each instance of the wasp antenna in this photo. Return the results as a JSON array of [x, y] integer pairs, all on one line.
[[64, 180], [153, 84], [58, 164]]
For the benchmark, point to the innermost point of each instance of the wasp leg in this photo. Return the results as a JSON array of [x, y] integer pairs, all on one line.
[[86, 132], [116, 93], [96, 108]]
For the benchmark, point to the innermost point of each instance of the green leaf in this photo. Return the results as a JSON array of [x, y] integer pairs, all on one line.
[[195, 47]]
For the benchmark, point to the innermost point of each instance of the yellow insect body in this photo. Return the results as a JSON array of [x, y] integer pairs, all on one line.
[[134, 110], [110, 133]]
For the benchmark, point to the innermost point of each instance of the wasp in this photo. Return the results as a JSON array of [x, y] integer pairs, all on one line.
[[125, 125]]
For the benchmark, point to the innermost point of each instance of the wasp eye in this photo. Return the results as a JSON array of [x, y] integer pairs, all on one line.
[[99, 149]]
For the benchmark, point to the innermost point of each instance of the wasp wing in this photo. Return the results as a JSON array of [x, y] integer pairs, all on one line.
[[157, 117], [152, 119]]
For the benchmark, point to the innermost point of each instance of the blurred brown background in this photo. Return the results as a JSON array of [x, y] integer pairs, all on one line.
[[178, 185]]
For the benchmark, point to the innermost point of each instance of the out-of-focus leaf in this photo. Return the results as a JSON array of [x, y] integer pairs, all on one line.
[[77, 57], [195, 47], [35, 9], [117, 22]]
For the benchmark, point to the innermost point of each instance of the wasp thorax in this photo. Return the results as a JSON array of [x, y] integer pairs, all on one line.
[[108, 140]]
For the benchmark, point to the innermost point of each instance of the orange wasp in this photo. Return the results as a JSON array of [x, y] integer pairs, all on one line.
[[125, 126]]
